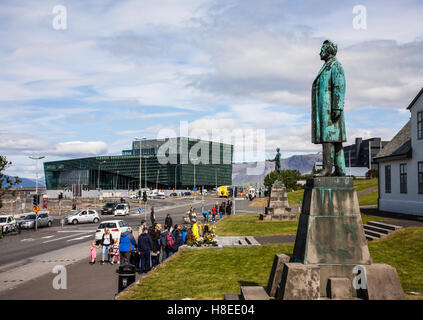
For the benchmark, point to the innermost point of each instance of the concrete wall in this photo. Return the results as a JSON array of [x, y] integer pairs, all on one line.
[[412, 201]]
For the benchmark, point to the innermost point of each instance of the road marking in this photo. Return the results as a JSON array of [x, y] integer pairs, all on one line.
[[72, 235], [80, 238], [47, 237], [28, 239], [78, 231]]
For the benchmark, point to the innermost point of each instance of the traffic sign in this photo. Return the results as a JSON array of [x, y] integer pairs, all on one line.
[[35, 209], [139, 209], [194, 189]]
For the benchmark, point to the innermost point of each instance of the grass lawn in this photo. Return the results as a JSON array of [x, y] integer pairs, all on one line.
[[403, 250], [250, 225], [359, 185], [208, 274], [220, 271], [368, 198]]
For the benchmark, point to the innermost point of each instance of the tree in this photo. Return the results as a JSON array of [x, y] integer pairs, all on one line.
[[6, 182], [372, 173], [287, 176]]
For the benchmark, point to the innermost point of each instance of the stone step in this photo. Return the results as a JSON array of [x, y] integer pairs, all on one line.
[[377, 229], [254, 293], [374, 233], [252, 241], [232, 296], [383, 225], [371, 238]]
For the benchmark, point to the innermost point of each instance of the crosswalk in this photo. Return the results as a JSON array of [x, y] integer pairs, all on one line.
[[65, 235]]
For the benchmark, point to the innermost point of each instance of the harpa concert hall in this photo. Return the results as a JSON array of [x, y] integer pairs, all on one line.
[[180, 163]]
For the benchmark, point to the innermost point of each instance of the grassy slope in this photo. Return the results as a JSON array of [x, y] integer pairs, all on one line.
[[250, 225], [220, 271], [217, 271]]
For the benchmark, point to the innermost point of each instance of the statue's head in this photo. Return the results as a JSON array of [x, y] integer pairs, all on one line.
[[277, 149], [329, 50]]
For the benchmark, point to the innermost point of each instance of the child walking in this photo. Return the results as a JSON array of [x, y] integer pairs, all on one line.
[[115, 252], [93, 252]]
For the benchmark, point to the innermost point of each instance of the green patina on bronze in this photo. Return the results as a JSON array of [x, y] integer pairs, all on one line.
[[327, 116]]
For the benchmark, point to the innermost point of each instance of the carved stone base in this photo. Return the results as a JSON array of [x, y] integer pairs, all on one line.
[[278, 206]]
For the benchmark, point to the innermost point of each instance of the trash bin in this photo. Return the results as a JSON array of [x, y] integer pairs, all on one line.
[[126, 276]]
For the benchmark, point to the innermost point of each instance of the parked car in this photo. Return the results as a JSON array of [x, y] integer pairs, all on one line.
[[186, 193], [173, 194], [159, 196], [109, 208], [121, 209], [44, 220], [133, 196], [82, 216], [8, 223], [116, 227]]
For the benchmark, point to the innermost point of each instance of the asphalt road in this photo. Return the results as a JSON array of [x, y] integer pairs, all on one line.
[[15, 249]]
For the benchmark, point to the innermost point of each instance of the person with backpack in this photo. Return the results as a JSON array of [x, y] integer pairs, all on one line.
[[184, 234], [126, 245], [145, 246], [177, 236], [163, 240]]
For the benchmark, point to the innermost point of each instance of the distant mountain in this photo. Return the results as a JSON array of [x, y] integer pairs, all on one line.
[[253, 172], [26, 182]]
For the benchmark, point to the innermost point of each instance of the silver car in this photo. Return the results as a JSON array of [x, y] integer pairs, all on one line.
[[82, 216], [44, 220]]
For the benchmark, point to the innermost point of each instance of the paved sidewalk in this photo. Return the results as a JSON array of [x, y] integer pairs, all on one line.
[[84, 282]]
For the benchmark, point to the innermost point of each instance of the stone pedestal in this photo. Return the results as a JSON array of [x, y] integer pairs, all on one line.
[[331, 252], [278, 206]]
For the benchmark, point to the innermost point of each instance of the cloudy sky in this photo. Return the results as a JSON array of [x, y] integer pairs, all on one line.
[[128, 68]]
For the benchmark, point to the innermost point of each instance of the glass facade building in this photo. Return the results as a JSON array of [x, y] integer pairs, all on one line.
[[180, 163]]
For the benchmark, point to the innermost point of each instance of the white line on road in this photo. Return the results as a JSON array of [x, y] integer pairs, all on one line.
[[80, 238], [78, 231], [72, 235], [47, 237], [28, 239]]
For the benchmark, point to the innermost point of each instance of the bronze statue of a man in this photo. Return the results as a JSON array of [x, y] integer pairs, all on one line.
[[327, 116]]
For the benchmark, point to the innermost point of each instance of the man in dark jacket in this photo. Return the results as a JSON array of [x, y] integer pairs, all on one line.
[[126, 245], [155, 237], [168, 221], [177, 236], [145, 246], [163, 237], [152, 216]]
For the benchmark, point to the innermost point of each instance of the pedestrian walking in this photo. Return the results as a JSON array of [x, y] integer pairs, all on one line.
[[169, 221], [93, 252], [115, 252], [214, 212], [127, 244], [152, 216], [106, 242], [222, 209], [145, 246], [143, 224], [155, 237]]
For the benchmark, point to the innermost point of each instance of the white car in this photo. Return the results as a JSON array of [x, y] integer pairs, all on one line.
[[121, 209], [116, 227], [82, 216], [133, 196], [7, 223]]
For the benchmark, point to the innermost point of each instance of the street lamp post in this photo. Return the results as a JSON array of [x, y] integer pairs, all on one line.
[[139, 140], [194, 160], [36, 184]]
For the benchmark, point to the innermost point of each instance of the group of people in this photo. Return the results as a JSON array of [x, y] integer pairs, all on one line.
[[225, 208], [144, 252]]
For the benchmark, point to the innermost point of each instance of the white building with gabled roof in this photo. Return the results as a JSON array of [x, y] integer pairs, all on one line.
[[401, 166]]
